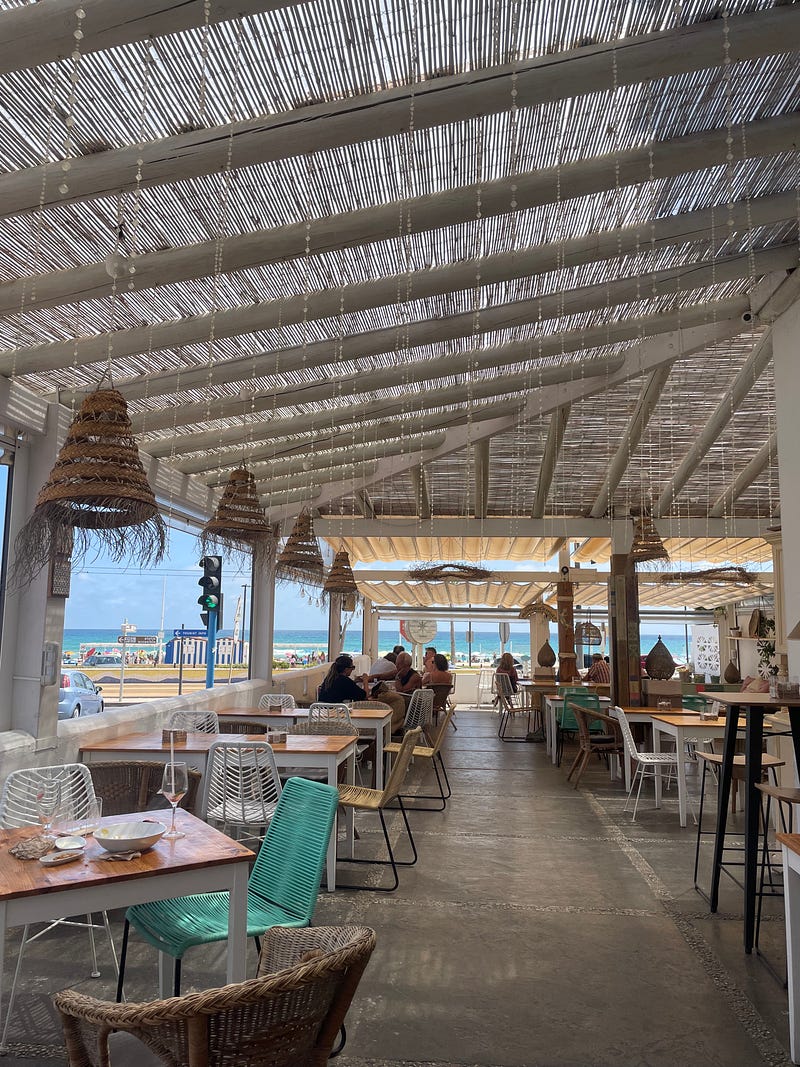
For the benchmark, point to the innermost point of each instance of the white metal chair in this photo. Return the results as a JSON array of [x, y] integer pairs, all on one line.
[[18, 808], [319, 710], [485, 694], [648, 764], [202, 722], [332, 727], [419, 711], [241, 787], [284, 701]]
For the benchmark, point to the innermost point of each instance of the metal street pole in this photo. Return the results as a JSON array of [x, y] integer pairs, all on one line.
[[211, 647], [180, 661]]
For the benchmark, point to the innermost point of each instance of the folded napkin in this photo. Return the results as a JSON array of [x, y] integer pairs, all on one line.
[[120, 856]]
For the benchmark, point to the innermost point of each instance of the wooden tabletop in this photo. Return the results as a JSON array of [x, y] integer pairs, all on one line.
[[792, 842], [318, 744], [201, 845], [262, 713], [756, 700], [693, 721]]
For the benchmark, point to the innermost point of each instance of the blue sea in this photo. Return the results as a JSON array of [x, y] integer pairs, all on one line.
[[485, 643]]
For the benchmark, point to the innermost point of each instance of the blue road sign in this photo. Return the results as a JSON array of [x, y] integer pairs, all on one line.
[[189, 633]]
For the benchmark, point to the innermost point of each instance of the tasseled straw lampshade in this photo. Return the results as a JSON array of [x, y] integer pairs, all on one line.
[[239, 520], [301, 559], [97, 486], [647, 546], [340, 581]]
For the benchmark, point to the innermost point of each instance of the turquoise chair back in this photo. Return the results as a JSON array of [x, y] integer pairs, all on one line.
[[696, 703], [568, 722], [289, 865]]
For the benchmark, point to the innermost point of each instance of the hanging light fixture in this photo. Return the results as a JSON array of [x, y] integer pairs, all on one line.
[[340, 581], [300, 558], [239, 520], [97, 489], [647, 546]]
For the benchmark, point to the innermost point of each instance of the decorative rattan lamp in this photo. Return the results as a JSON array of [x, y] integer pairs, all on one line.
[[98, 487], [340, 581], [239, 520], [300, 558], [647, 546]]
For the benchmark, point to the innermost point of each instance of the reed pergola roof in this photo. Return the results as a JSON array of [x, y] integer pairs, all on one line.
[[509, 263]]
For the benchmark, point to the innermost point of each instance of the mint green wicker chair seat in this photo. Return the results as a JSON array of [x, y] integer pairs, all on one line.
[[281, 891]]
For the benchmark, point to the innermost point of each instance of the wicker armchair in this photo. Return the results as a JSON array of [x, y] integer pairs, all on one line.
[[242, 726], [135, 785], [289, 1014]]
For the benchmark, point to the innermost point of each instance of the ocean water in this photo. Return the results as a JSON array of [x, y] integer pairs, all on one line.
[[485, 643]]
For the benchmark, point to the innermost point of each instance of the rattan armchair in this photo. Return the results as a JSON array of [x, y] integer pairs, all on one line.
[[135, 785], [289, 1014]]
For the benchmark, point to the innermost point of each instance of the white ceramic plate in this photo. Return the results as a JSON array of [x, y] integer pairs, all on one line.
[[129, 836]]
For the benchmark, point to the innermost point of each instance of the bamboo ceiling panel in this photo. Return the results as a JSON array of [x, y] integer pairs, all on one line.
[[408, 547]]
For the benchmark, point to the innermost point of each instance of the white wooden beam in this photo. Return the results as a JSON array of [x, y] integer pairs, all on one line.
[[645, 405], [574, 527], [422, 493], [751, 371], [723, 505], [552, 448], [480, 480], [242, 251], [452, 98], [364, 503], [329, 303]]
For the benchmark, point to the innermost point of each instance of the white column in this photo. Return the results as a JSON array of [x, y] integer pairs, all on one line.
[[263, 614], [369, 630], [785, 340], [334, 626], [31, 617]]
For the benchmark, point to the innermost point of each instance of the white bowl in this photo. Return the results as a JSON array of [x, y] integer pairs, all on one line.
[[129, 836]]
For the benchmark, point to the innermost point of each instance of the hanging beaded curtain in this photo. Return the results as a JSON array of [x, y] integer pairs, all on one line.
[[98, 489], [239, 520], [300, 558], [340, 581], [647, 546]]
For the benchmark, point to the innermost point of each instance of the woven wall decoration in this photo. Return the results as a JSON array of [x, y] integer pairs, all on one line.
[[647, 546], [448, 572], [98, 489], [239, 520], [730, 575], [300, 558]]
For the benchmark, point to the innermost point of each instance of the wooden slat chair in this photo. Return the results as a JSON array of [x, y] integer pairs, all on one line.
[[362, 799], [289, 1014], [605, 743], [434, 754]]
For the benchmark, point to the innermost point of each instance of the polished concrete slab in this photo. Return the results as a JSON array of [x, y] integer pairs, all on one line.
[[540, 928]]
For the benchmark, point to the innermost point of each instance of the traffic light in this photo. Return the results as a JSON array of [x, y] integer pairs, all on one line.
[[211, 597]]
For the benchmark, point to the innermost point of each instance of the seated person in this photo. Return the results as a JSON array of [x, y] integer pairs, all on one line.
[[439, 674], [427, 660], [398, 649], [599, 670], [384, 668], [407, 679], [337, 685], [506, 666]]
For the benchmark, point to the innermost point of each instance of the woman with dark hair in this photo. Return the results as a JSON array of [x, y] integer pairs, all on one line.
[[439, 673], [337, 685], [506, 666]]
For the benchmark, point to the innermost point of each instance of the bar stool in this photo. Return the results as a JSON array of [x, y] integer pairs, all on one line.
[[714, 760], [788, 796]]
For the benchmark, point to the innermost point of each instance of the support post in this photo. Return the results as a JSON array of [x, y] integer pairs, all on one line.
[[369, 630], [334, 626], [785, 335], [262, 608], [566, 632], [623, 615]]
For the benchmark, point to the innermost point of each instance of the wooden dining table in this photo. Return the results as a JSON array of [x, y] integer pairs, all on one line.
[[304, 751], [204, 858]]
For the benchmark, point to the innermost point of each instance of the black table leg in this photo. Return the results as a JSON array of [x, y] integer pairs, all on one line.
[[723, 796], [753, 748]]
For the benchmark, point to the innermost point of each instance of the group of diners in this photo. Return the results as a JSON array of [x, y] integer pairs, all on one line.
[[391, 679]]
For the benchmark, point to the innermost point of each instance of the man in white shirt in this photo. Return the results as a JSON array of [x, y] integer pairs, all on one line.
[[383, 669]]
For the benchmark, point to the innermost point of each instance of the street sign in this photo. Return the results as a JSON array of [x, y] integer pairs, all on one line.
[[189, 633], [139, 639]]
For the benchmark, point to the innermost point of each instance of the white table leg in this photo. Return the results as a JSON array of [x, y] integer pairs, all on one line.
[[237, 925], [679, 751], [551, 718], [657, 748], [791, 885], [383, 737]]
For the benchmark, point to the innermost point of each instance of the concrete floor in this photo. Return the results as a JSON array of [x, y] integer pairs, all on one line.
[[540, 928]]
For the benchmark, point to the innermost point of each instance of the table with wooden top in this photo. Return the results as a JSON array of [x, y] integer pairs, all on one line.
[[204, 860], [371, 722], [754, 706], [682, 726], [312, 751], [790, 847]]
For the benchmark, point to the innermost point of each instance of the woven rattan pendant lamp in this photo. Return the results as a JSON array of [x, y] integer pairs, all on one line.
[[97, 490], [300, 559], [239, 520], [340, 581], [647, 546]]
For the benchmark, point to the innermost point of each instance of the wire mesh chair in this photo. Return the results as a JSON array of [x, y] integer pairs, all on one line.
[[509, 707], [648, 764], [18, 807], [328, 712], [434, 754], [284, 701], [485, 694], [289, 1014], [241, 788], [202, 722], [419, 712], [322, 727]]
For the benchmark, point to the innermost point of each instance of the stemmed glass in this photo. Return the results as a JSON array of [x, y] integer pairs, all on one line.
[[174, 785], [48, 801]]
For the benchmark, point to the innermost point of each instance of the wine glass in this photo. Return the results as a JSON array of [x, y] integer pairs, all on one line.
[[174, 785], [48, 801]]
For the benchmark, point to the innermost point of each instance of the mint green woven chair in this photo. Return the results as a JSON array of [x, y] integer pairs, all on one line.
[[282, 889]]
